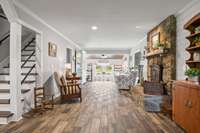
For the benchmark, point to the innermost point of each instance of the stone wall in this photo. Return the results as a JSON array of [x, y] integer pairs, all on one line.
[[167, 30]]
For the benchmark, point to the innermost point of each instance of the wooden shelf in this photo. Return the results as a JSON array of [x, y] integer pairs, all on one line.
[[193, 48], [191, 26], [193, 22], [193, 35], [157, 53], [190, 62]]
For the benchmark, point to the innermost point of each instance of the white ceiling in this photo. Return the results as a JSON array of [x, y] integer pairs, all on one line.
[[116, 19]]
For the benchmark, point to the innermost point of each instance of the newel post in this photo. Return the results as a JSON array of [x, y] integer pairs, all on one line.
[[15, 70]]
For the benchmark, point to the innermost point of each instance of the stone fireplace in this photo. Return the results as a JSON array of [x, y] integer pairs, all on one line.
[[165, 58]]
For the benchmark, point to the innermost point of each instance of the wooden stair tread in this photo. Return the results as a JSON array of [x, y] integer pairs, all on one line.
[[29, 82], [29, 50], [23, 91], [4, 101], [4, 91], [8, 90], [31, 46], [28, 60], [5, 114], [4, 73], [4, 82], [27, 66], [6, 67], [27, 55], [21, 67], [32, 74]]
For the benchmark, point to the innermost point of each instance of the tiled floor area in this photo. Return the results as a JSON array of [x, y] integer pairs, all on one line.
[[103, 110]]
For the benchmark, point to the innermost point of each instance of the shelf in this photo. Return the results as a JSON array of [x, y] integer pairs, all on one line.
[[193, 48], [193, 35], [193, 22], [157, 53], [192, 62]]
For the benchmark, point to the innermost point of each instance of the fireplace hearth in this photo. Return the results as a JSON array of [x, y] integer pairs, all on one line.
[[155, 86]]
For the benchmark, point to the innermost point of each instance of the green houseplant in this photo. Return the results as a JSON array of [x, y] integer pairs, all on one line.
[[196, 41], [161, 46], [193, 74]]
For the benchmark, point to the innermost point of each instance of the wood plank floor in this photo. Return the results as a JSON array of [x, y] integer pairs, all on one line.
[[103, 110]]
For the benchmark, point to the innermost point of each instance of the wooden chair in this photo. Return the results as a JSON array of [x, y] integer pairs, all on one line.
[[43, 101], [67, 90]]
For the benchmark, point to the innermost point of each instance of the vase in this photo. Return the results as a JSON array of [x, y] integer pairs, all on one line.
[[197, 44], [196, 56], [161, 49]]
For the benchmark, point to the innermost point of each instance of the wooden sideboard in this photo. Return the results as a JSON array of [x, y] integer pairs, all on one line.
[[186, 105]]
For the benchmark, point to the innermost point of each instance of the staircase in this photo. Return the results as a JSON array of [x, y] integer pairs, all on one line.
[[28, 81]]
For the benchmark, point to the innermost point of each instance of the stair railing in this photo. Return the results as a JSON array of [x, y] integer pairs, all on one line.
[[23, 80], [27, 59], [29, 43], [8, 34], [4, 38]]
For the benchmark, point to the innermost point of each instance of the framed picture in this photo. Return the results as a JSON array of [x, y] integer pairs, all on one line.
[[52, 49], [155, 40]]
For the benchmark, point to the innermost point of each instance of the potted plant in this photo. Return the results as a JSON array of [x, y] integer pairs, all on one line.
[[161, 46], [196, 41], [193, 74]]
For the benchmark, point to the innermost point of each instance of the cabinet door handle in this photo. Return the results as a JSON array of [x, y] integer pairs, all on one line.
[[189, 104]]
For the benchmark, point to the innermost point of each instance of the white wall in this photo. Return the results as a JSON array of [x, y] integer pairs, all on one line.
[[84, 66], [181, 55], [50, 64]]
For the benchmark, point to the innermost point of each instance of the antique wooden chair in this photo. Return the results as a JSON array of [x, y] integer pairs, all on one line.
[[42, 100], [67, 90]]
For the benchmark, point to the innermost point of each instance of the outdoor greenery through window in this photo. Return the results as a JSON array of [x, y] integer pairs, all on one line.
[[104, 69]]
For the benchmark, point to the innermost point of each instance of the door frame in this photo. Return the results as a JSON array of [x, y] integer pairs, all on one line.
[[39, 42]]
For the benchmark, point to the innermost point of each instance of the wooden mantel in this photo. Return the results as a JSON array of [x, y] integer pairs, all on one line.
[[157, 53]]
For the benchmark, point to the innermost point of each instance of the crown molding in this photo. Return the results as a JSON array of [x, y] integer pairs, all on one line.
[[32, 14], [9, 10], [188, 6]]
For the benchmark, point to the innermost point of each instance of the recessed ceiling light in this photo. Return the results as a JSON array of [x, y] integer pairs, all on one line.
[[104, 56], [138, 27], [94, 28]]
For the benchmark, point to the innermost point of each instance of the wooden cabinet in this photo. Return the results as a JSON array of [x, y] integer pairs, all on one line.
[[186, 105]]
